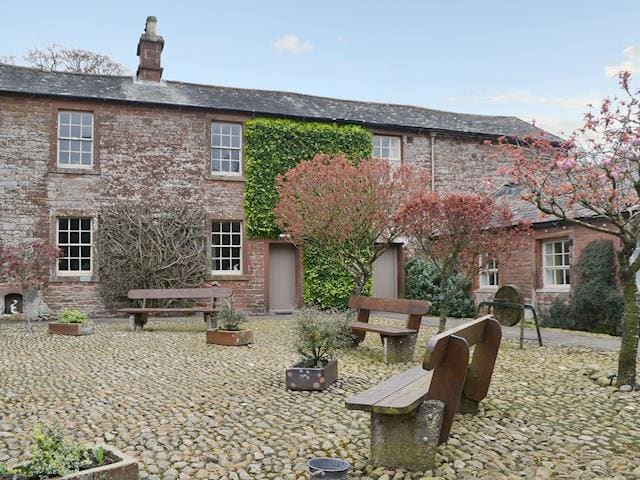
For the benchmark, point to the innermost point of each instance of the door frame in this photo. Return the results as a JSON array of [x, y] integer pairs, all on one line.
[[298, 268]]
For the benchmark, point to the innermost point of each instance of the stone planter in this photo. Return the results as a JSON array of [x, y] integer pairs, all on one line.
[[75, 329], [231, 338], [311, 379], [122, 467]]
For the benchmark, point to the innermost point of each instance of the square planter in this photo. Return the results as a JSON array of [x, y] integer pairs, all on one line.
[[231, 338], [122, 467], [311, 379], [75, 329]]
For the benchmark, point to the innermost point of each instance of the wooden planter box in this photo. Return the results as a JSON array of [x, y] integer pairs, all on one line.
[[123, 468], [313, 379], [231, 338], [75, 329]]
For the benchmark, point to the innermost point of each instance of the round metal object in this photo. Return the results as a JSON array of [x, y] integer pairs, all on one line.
[[328, 468], [508, 315]]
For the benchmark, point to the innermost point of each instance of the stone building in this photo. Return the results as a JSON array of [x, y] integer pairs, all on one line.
[[71, 143]]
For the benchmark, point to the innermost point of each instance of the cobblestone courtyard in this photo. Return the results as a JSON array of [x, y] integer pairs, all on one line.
[[186, 409]]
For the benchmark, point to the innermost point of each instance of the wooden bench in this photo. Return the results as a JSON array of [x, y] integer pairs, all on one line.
[[399, 343], [214, 295], [412, 412]]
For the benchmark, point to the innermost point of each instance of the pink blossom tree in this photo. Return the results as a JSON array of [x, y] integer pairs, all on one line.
[[454, 230], [595, 173], [347, 208]]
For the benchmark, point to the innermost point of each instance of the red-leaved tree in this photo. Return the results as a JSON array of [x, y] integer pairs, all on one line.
[[595, 173], [454, 230], [28, 265], [347, 209]]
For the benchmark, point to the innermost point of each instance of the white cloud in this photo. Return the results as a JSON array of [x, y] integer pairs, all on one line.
[[292, 45], [631, 64], [522, 96], [340, 39]]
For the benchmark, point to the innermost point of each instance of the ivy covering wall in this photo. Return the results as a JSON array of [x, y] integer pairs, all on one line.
[[273, 146]]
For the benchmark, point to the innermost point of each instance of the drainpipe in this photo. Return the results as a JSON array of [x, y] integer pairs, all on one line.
[[433, 161]]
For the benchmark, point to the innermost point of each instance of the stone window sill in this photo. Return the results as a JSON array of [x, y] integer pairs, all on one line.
[[230, 278], [554, 290], [487, 290], [225, 178], [73, 279], [76, 171]]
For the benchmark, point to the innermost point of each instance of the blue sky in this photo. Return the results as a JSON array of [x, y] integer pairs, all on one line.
[[541, 60]]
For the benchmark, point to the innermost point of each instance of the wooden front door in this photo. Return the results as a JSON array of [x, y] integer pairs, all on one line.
[[282, 278]]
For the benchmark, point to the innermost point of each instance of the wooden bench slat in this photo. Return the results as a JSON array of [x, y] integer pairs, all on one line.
[[367, 399], [168, 310], [395, 305], [159, 293], [384, 329], [407, 398]]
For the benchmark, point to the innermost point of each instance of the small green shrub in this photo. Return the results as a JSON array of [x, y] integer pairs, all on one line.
[[558, 315], [230, 318], [54, 455], [423, 283], [68, 315], [597, 304], [319, 335]]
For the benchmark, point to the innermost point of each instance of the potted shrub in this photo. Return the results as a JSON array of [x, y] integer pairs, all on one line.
[[71, 322], [319, 335], [55, 457], [229, 333]]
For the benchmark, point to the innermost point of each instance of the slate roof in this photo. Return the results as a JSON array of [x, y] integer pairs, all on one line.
[[524, 211], [23, 80]]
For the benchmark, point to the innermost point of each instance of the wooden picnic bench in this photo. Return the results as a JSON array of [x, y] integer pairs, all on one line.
[[214, 295], [399, 343], [412, 412]]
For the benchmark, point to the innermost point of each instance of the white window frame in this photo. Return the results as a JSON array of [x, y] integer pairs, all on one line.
[[80, 139], [392, 149], [549, 265], [80, 244], [489, 273], [231, 258], [229, 147]]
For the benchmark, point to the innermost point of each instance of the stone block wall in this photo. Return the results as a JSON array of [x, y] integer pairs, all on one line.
[[159, 154]]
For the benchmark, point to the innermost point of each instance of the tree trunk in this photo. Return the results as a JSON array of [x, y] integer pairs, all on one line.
[[361, 282], [629, 346]]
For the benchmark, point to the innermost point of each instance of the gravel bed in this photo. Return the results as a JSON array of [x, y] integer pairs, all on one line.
[[188, 410]]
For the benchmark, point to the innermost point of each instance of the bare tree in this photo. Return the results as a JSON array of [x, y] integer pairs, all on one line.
[[56, 57], [7, 59]]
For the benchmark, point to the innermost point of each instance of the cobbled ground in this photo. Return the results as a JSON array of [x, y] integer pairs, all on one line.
[[185, 409]]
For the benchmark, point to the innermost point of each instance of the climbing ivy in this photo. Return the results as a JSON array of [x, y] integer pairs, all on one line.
[[273, 146]]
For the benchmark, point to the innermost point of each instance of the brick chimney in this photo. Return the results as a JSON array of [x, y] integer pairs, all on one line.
[[149, 50]]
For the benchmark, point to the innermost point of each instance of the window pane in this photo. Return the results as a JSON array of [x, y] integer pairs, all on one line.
[[64, 130], [87, 119], [86, 159], [74, 224], [85, 264], [226, 264], [236, 226], [63, 237], [75, 131], [64, 158], [74, 158], [74, 264], [215, 128], [85, 252], [215, 165], [86, 146], [76, 118], [226, 129], [64, 117], [74, 237], [85, 237], [235, 167], [63, 223], [63, 264], [224, 166], [216, 226]]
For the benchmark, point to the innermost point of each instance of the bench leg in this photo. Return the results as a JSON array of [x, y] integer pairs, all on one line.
[[212, 321], [399, 349], [467, 405], [407, 441], [138, 320]]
